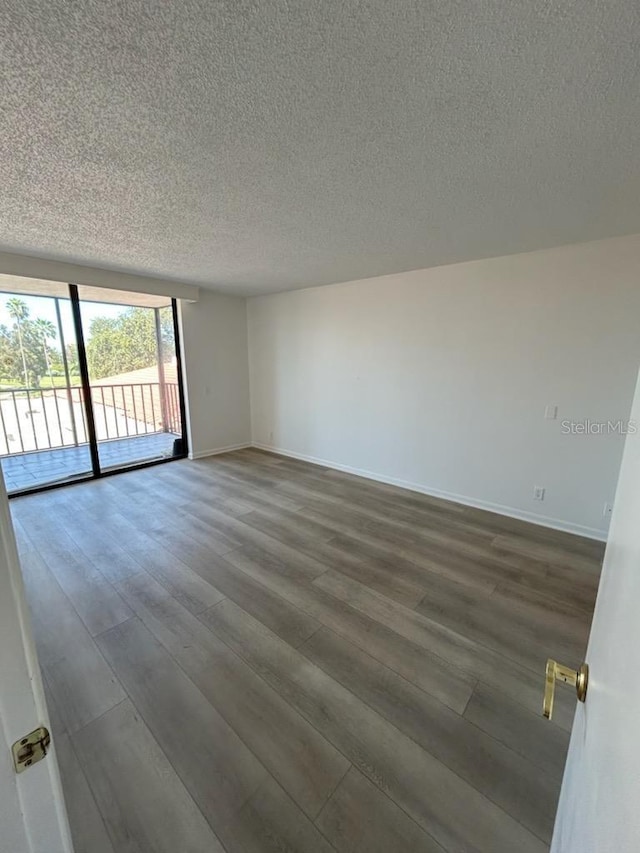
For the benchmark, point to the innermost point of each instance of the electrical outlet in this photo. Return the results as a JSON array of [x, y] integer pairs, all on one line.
[[607, 510], [538, 493]]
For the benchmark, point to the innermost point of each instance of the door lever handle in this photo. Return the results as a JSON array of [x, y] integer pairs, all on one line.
[[556, 672]]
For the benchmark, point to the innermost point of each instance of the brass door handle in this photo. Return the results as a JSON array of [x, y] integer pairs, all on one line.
[[556, 672]]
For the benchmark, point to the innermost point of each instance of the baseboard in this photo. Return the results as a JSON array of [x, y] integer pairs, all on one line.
[[511, 512], [199, 454]]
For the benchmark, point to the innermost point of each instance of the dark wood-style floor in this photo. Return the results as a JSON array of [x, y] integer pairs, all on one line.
[[250, 653]]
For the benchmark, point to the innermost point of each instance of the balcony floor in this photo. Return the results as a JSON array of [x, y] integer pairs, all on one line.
[[29, 470]]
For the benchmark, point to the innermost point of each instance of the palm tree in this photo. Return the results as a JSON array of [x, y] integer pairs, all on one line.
[[47, 331], [19, 312]]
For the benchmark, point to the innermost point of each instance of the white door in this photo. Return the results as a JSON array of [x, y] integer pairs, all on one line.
[[32, 813], [599, 809]]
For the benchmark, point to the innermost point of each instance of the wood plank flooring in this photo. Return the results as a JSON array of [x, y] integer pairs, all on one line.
[[250, 653]]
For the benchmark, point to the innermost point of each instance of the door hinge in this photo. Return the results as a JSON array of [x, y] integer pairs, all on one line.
[[30, 749]]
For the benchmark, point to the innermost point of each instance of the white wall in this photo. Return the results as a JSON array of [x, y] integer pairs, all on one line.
[[41, 268], [438, 379], [214, 352]]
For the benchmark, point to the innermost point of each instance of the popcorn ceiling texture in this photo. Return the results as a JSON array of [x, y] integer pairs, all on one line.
[[262, 146]]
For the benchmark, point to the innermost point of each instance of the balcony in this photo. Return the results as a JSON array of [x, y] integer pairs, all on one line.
[[44, 434]]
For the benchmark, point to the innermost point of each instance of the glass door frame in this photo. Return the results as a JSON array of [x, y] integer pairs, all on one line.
[[97, 470]]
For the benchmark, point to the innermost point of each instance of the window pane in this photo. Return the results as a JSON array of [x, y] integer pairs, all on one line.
[[43, 436], [130, 346]]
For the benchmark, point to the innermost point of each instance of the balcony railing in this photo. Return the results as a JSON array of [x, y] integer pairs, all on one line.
[[47, 418]]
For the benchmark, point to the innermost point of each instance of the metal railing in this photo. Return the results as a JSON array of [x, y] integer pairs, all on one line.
[[49, 418]]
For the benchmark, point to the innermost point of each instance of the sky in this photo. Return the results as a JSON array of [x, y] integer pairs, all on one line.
[[44, 306]]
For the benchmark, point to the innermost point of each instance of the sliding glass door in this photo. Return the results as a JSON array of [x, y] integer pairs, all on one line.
[[89, 382], [133, 376], [43, 425]]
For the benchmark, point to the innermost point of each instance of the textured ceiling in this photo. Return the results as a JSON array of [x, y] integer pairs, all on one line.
[[262, 146]]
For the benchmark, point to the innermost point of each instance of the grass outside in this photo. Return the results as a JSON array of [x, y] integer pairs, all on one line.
[[45, 382]]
